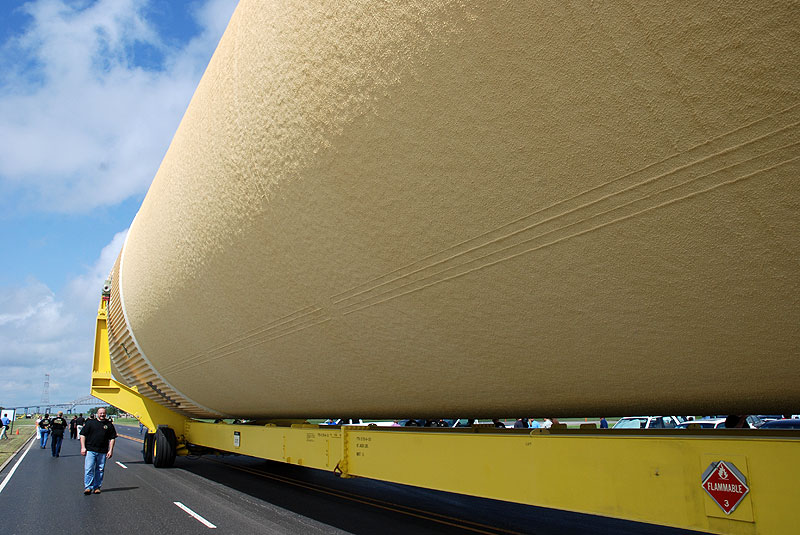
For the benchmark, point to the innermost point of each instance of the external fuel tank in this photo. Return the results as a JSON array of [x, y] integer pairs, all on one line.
[[438, 208]]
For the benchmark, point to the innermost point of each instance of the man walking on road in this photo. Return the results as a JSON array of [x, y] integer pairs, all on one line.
[[57, 426], [5, 422], [44, 429], [97, 445], [73, 428]]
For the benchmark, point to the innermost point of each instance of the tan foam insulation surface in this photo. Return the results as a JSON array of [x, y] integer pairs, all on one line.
[[459, 209]]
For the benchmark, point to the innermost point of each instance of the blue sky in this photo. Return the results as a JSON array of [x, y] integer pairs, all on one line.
[[91, 92]]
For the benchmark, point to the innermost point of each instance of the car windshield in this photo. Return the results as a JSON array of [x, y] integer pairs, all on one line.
[[754, 421], [698, 423], [782, 424], [631, 423]]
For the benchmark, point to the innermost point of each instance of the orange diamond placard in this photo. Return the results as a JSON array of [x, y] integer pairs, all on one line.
[[725, 484]]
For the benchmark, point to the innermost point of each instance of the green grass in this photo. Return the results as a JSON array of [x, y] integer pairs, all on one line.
[[125, 421], [9, 447]]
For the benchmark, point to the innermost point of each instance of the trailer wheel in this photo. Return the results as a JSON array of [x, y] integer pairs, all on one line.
[[148, 447], [165, 447]]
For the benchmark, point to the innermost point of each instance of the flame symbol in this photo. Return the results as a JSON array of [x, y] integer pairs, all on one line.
[[723, 474]]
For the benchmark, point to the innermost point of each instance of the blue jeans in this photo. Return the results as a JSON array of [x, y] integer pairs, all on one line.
[[55, 444], [93, 470], [45, 434]]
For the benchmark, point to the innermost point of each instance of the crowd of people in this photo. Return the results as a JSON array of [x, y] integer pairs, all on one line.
[[55, 427]]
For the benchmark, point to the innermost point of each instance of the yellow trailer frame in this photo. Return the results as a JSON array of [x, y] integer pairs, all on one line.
[[645, 476]]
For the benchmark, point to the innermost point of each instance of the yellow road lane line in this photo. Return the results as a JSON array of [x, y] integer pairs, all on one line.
[[139, 440]]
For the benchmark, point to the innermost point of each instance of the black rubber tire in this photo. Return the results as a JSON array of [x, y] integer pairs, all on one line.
[[166, 446], [147, 447]]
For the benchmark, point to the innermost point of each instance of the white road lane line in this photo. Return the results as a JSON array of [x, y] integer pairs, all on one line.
[[11, 473], [196, 516], [122, 465]]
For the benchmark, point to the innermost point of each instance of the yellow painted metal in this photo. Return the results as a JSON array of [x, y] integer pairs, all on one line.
[[644, 476], [105, 387], [304, 445], [652, 477]]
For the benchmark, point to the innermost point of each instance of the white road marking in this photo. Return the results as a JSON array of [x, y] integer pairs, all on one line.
[[196, 516], [122, 465], [11, 473]]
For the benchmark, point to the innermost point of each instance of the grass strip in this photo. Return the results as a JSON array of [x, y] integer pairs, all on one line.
[[10, 447]]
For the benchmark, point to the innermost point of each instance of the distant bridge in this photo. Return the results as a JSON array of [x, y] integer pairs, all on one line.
[[68, 407]]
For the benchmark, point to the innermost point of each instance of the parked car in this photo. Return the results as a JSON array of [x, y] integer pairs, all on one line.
[[793, 423], [707, 423], [342, 421], [753, 422], [649, 422]]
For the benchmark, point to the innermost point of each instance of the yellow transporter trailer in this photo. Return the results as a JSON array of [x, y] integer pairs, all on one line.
[[498, 191], [718, 481]]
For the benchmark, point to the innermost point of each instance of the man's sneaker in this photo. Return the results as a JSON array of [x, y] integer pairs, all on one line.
[[87, 491], [97, 491]]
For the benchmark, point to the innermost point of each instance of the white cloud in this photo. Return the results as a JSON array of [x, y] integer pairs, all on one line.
[[41, 333], [83, 292], [36, 333], [82, 124], [20, 308]]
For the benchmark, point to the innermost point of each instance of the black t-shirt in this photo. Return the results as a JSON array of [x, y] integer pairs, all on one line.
[[80, 420], [57, 426], [45, 423], [98, 434]]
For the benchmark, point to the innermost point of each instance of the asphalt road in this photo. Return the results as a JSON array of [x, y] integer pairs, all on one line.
[[239, 494]]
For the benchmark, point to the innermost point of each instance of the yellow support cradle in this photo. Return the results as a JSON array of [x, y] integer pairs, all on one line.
[[105, 387], [651, 476]]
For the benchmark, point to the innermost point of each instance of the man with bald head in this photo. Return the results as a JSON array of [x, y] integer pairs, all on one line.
[[97, 444]]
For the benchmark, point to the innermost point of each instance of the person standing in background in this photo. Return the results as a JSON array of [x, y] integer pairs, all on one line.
[[44, 430], [5, 423], [38, 429], [73, 428], [57, 426], [79, 421], [603, 423]]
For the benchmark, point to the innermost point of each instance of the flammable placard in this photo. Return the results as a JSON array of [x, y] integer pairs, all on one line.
[[726, 485]]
